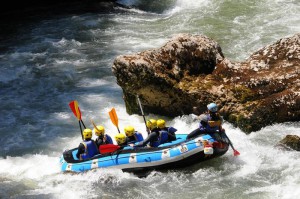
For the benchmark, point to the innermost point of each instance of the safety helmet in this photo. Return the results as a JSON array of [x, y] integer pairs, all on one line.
[[161, 123], [129, 130], [204, 119], [151, 124], [212, 107], [99, 131], [87, 134], [120, 138]]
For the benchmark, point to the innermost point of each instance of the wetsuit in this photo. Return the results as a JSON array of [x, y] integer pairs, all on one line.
[[99, 140], [205, 128], [136, 137], [196, 132], [152, 137]]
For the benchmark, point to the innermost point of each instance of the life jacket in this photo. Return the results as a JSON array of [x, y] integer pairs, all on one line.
[[172, 130], [214, 124], [91, 149], [108, 139], [100, 141], [162, 138], [138, 136]]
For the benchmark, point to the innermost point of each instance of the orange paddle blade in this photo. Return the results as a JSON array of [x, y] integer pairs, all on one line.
[[75, 109], [113, 117]]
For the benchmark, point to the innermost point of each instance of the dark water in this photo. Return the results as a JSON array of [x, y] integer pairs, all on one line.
[[48, 61]]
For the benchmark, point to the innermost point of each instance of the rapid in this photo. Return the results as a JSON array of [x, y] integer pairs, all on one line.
[[47, 63]]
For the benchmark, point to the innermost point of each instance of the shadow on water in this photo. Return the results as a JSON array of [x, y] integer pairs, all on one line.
[[150, 6], [16, 19], [216, 163]]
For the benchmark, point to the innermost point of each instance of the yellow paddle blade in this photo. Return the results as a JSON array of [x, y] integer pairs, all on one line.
[[113, 117], [94, 125]]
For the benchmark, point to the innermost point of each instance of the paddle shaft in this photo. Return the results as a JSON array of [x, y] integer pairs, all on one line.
[[83, 124], [142, 113], [118, 129], [80, 129], [230, 143]]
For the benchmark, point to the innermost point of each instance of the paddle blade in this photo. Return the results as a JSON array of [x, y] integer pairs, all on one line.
[[108, 148], [113, 117], [94, 125], [75, 109], [236, 153]]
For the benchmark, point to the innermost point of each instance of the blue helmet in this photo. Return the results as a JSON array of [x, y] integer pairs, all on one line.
[[212, 107]]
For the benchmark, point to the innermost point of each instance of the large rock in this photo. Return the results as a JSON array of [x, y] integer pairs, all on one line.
[[290, 142], [190, 71]]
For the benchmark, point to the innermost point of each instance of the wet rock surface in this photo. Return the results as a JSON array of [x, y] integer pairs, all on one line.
[[290, 142]]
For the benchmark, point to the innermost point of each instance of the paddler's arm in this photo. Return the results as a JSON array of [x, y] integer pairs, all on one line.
[[81, 150], [151, 137]]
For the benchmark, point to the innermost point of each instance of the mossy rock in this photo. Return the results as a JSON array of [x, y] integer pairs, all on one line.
[[243, 94], [290, 142]]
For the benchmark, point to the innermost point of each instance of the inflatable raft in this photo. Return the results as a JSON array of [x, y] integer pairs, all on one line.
[[176, 154]]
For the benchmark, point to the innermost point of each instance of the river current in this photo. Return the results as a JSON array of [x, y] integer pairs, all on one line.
[[49, 62]]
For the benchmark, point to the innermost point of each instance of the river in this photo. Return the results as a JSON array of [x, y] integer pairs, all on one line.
[[49, 62]]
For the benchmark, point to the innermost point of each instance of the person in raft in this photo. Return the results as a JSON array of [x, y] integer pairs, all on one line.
[[121, 139], [161, 124], [210, 123], [155, 138], [88, 147], [132, 136], [102, 137], [215, 119]]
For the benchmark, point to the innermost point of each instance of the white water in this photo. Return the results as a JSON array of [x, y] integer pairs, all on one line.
[[61, 59], [259, 172]]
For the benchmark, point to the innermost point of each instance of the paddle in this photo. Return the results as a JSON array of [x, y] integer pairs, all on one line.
[[76, 110], [94, 125], [235, 152], [108, 148], [111, 147], [148, 131], [114, 118]]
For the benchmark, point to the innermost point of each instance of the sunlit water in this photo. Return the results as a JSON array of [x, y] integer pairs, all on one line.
[[53, 61]]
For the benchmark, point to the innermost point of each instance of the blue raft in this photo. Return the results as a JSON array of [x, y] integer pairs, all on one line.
[[176, 154]]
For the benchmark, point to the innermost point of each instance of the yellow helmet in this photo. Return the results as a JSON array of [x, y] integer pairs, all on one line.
[[99, 131], [151, 124], [87, 134], [161, 123], [120, 138], [129, 130]]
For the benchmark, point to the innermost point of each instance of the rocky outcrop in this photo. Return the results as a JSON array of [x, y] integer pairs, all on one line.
[[190, 71], [290, 142]]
